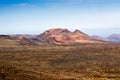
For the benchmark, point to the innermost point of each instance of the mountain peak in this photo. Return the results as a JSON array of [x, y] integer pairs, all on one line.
[[56, 31], [65, 37], [77, 31], [114, 38]]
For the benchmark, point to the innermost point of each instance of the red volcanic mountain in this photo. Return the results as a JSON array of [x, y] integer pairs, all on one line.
[[60, 36]]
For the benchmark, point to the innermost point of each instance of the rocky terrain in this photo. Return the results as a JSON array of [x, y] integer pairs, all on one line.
[[7, 40], [56, 36], [60, 36], [82, 62], [40, 58]]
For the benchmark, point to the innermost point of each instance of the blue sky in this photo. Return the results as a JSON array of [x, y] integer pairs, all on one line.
[[94, 17]]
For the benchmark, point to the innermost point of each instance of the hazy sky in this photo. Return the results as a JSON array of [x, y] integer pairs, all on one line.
[[100, 17]]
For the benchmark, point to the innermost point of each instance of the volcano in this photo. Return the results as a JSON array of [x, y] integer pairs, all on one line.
[[61, 36]]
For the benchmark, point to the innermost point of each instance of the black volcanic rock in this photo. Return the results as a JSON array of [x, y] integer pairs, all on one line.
[[5, 37]]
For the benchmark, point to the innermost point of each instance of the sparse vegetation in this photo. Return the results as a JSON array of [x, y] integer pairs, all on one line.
[[7, 42], [83, 62]]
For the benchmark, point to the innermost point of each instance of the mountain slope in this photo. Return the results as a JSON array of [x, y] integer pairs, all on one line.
[[98, 38], [60, 36], [24, 35], [6, 40], [114, 38]]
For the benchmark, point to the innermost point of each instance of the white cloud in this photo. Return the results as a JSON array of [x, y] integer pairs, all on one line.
[[23, 4]]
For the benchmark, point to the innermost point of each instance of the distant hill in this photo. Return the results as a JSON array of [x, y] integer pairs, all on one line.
[[24, 35], [98, 38], [60, 36], [26, 41], [56, 36], [7, 40], [114, 38], [5, 36]]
